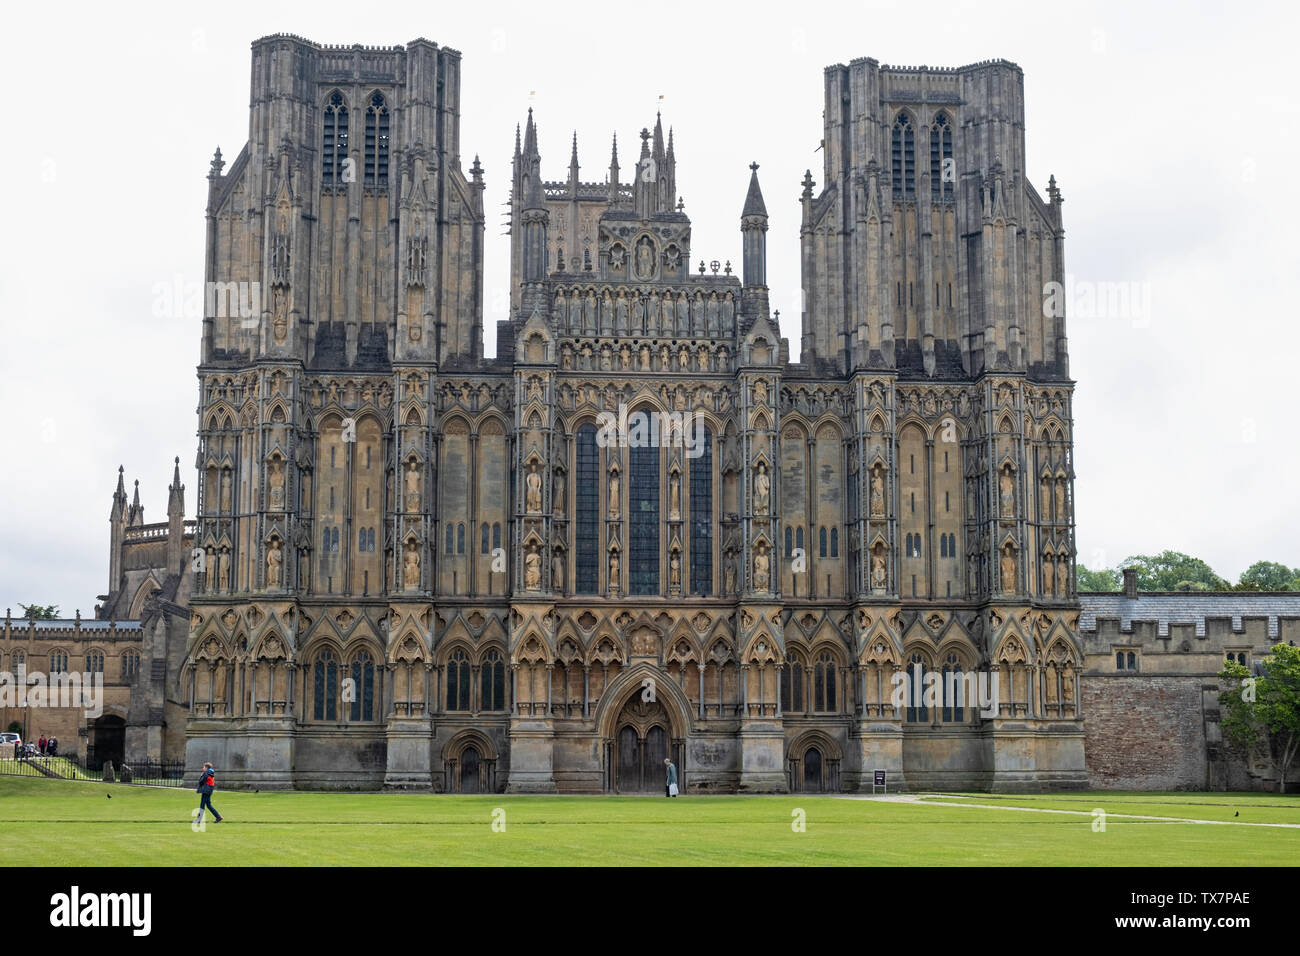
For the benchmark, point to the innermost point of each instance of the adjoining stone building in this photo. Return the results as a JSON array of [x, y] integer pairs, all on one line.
[[135, 644]]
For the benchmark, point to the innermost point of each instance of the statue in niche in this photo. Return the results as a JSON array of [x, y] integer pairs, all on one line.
[[645, 258], [675, 570], [280, 322], [1008, 568], [225, 490], [411, 566], [762, 489], [1049, 569], [274, 560], [613, 571], [665, 358], [277, 484], [877, 493], [532, 569], [760, 392], [413, 487], [625, 356], [1060, 500], [617, 257], [675, 497], [1006, 492], [557, 569], [613, 493], [606, 358], [697, 313], [620, 313], [729, 575], [1061, 573], [683, 314], [702, 357], [533, 495], [1067, 685], [558, 491], [762, 565], [645, 357], [684, 358], [878, 569], [566, 356]]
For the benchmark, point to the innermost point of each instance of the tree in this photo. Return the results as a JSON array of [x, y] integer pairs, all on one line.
[[39, 612], [1269, 576], [1106, 579], [1174, 571], [1260, 715]]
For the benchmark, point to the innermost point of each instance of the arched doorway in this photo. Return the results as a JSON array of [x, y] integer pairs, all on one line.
[[812, 770], [813, 764], [641, 743], [469, 770], [107, 742]]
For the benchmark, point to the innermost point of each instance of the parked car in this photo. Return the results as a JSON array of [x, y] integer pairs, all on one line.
[[8, 738]]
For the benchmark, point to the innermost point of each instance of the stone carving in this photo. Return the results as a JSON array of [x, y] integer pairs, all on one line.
[[645, 258], [1006, 492], [762, 490], [1060, 501], [613, 492], [729, 575], [877, 492], [1008, 568], [1049, 567], [675, 570], [533, 494], [532, 569], [557, 569], [762, 568], [413, 487], [276, 478], [558, 489], [613, 571], [675, 497], [411, 566], [760, 392], [274, 560]]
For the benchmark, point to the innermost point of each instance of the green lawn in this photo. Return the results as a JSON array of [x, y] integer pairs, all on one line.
[[49, 822]]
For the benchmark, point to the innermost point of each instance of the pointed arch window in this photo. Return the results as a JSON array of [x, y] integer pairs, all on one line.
[[903, 157], [130, 665], [955, 696], [792, 685], [451, 539], [325, 686], [334, 144], [702, 518], [485, 547], [917, 712], [587, 503], [492, 682], [835, 542], [821, 543], [643, 533], [95, 662], [942, 170], [824, 683], [377, 141], [458, 681], [460, 538], [363, 687]]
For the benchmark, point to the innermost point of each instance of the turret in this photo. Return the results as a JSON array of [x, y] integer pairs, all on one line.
[[117, 531], [534, 217], [613, 173], [753, 231], [176, 522]]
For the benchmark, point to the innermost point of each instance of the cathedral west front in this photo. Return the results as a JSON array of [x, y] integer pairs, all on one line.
[[639, 531]]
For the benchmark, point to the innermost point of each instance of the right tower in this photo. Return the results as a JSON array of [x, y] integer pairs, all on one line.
[[928, 263]]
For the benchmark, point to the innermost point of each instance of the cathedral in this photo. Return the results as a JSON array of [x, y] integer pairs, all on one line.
[[413, 566]]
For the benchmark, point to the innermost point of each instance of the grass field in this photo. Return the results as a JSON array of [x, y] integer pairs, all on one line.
[[57, 823]]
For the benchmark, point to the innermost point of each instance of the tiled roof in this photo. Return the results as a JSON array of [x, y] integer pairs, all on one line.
[[1167, 608]]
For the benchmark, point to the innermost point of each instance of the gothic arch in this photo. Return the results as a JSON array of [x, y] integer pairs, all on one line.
[[629, 682]]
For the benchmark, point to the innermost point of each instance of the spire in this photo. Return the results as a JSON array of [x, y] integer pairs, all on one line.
[[613, 172], [119, 496], [573, 161], [671, 157], [135, 514], [517, 152], [659, 135], [530, 136], [754, 205], [176, 492]]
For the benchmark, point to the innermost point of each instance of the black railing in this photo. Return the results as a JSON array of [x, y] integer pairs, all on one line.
[[73, 767]]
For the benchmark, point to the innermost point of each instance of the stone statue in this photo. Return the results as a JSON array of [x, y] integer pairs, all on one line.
[[1049, 569], [675, 497], [557, 569], [729, 575], [760, 392], [613, 572], [413, 487], [878, 569], [1061, 573], [613, 494], [557, 492], [411, 566], [532, 569], [1008, 568], [675, 570], [761, 569], [877, 493], [1060, 501], [762, 490], [277, 485], [1006, 490], [273, 562], [534, 490]]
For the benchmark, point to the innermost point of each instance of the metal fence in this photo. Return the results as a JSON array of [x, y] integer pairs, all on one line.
[[74, 767]]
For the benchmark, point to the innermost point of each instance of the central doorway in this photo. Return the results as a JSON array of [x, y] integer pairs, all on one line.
[[641, 744]]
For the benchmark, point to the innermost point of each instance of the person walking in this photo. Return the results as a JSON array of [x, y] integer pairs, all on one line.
[[53, 746], [40, 745], [671, 788], [207, 783]]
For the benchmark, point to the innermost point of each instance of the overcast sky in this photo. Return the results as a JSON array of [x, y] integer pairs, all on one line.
[[1171, 129]]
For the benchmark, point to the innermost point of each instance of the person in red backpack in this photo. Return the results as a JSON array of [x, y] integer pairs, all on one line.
[[207, 783]]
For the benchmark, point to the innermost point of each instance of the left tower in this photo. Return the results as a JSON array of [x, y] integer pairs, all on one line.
[[343, 268]]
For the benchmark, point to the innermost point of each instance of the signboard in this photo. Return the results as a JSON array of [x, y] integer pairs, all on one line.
[[878, 781]]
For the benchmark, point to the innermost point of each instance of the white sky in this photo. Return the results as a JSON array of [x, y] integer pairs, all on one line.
[[1171, 129]]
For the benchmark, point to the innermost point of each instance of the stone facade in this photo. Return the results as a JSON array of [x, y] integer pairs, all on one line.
[[421, 568]]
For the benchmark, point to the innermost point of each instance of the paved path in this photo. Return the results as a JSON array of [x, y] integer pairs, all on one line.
[[919, 799]]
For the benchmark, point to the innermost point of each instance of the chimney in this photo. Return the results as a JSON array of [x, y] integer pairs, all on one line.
[[1131, 583]]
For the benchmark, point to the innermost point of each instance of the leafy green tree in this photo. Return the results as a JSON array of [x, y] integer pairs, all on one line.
[[1174, 571], [1268, 576], [40, 612], [1105, 579], [1260, 715]]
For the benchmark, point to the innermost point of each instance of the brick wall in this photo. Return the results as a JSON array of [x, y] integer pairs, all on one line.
[[1144, 732]]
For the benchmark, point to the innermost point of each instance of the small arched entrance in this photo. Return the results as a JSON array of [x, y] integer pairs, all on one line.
[[107, 742], [813, 764]]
